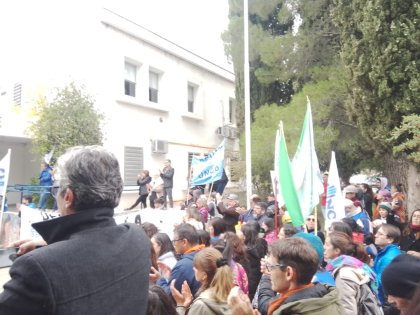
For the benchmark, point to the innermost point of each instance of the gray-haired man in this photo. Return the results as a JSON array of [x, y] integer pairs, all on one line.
[[89, 265]]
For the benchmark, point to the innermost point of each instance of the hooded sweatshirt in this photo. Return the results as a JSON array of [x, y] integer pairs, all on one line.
[[204, 304]]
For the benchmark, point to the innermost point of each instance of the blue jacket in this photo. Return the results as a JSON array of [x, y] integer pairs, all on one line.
[[384, 257], [183, 270], [45, 177]]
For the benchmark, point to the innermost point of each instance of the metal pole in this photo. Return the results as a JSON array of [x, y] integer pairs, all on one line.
[[247, 109]]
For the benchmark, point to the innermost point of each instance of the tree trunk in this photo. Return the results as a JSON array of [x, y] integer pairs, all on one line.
[[413, 189], [401, 171]]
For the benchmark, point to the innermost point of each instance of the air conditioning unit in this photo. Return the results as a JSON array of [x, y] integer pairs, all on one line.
[[159, 146], [227, 132]]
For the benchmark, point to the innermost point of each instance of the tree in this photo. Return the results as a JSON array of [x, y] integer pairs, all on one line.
[[70, 119], [380, 48], [301, 59]]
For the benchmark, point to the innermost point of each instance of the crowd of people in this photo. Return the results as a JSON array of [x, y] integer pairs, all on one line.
[[222, 259]]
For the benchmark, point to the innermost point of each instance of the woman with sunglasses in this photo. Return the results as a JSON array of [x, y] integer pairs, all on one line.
[[215, 276], [347, 262], [310, 227]]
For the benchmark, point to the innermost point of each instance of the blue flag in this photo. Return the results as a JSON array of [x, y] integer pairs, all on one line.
[[209, 168]]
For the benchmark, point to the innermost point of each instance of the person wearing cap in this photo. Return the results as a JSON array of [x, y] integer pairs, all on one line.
[[400, 280], [350, 192], [382, 195], [359, 216], [386, 216], [386, 239], [228, 210]]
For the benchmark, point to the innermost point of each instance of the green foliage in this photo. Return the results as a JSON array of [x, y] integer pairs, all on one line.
[[380, 45], [409, 131], [287, 66], [69, 120], [331, 131]]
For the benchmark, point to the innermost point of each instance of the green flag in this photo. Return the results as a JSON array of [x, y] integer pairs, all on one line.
[[286, 182]]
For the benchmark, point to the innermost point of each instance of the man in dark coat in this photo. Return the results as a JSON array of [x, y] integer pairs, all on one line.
[[229, 212], [167, 175], [89, 265]]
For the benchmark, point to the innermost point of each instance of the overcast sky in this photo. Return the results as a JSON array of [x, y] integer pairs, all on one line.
[[29, 29]]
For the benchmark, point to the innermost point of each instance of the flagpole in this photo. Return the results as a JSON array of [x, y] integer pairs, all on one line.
[[189, 181], [247, 105], [311, 137]]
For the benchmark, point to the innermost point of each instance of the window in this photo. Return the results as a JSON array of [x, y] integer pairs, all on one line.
[[153, 86], [130, 79], [191, 97], [231, 111], [17, 94], [133, 164]]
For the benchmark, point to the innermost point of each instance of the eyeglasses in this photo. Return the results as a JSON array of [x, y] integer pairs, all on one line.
[[380, 233], [173, 241], [310, 219], [271, 267]]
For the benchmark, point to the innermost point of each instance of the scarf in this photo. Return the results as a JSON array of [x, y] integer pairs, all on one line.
[[414, 228], [195, 248], [279, 301], [350, 261]]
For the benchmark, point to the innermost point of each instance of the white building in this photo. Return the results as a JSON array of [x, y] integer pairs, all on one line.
[[160, 101]]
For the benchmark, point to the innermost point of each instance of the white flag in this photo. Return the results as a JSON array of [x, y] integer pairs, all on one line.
[[275, 177], [334, 209], [306, 173]]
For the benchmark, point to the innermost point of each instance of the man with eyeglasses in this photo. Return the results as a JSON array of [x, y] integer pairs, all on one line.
[[88, 264], [386, 239], [291, 264], [185, 241]]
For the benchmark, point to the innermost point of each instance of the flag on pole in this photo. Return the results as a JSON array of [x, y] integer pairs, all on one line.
[[334, 209], [275, 174], [209, 168], [306, 173], [48, 156], [286, 182]]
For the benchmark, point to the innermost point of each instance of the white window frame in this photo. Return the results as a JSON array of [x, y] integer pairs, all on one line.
[[154, 78], [130, 79], [191, 99]]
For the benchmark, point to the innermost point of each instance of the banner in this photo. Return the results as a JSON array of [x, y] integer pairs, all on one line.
[[208, 169], [4, 177], [334, 209], [306, 173], [4, 219], [164, 220], [287, 185]]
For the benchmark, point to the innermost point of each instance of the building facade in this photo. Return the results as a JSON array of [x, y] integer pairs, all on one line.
[[160, 102]]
